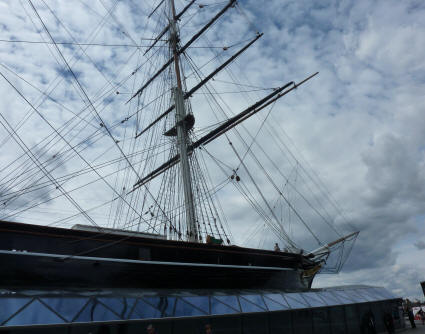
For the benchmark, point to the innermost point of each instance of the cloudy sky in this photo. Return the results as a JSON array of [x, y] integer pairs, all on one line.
[[360, 124]]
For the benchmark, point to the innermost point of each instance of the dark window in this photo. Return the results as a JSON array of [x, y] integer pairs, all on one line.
[[144, 254], [255, 324], [280, 322], [321, 323], [187, 326], [302, 322], [370, 312], [225, 325], [379, 316], [352, 319], [337, 318], [163, 327]]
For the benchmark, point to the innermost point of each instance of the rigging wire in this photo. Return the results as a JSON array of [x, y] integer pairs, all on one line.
[[95, 171], [84, 44], [93, 33], [317, 180], [25, 148], [86, 98], [287, 239], [137, 114], [244, 85], [304, 197], [271, 125]]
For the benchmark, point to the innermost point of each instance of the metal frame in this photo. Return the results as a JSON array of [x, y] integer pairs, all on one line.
[[165, 303]]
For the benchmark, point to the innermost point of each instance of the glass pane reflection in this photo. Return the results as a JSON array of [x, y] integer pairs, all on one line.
[[231, 301], [68, 308], [274, 306], [11, 305], [184, 309], [313, 299], [249, 307], [295, 300], [35, 313], [53, 307]]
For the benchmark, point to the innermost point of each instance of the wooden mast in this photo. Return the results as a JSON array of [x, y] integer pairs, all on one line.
[[182, 132], [200, 84]]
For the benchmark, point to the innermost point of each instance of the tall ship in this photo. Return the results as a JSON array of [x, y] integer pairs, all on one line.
[[162, 165]]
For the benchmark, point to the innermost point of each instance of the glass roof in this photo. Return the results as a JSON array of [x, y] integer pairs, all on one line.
[[56, 307]]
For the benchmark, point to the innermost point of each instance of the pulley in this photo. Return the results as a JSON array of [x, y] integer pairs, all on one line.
[[189, 122]]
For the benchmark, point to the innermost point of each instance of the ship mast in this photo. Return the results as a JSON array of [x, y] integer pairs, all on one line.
[[182, 131], [184, 121]]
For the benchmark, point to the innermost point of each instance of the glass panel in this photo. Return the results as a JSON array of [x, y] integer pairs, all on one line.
[[321, 321], [101, 313], [387, 294], [337, 318], [255, 299], [220, 308], [277, 297], [164, 304], [120, 306], [346, 299], [231, 301], [352, 319], [201, 302], [274, 306], [95, 311], [330, 298], [67, 307], [84, 315], [313, 299], [354, 295], [247, 306], [380, 293], [10, 306], [302, 322], [280, 322], [372, 292], [184, 309], [364, 293], [143, 310], [35, 313], [129, 302], [255, 324], [295, 300]]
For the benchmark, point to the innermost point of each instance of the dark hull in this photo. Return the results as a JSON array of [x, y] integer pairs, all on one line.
[[40, 256]]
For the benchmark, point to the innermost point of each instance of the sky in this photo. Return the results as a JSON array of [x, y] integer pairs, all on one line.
[[359, 124]]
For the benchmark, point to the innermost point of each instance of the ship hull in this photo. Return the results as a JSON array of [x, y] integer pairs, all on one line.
[[44, 271], [40, 256]]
